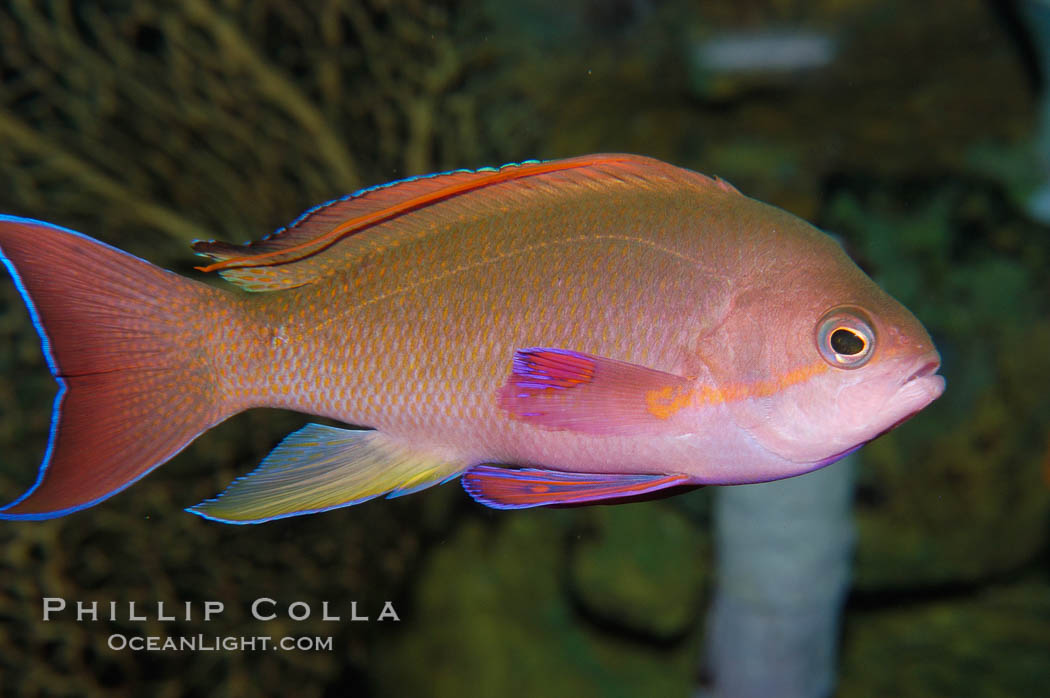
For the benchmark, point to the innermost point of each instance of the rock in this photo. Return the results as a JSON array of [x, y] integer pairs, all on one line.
[[642, 568], [956, 495], [507, 626], [990, 642]]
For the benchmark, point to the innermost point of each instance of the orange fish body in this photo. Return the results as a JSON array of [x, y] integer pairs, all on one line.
[[601, 327]]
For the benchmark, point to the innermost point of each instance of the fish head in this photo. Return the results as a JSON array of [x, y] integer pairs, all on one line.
[[821, 359]]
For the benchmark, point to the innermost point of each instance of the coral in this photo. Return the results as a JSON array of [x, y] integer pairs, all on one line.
[[147, 124], [498, 595], [991, 644], [644, 571], [956, 495], [200, 119]]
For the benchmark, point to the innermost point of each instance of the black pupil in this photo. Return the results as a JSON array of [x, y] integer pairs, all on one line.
[[846, 342]]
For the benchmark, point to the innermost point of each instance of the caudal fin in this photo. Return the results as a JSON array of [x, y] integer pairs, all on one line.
[[119, 336]]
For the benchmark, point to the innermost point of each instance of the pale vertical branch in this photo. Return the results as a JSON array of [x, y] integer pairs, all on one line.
[[275, 85], [784, 552], [160, 217], [328, 71], [235, 114], [421, 108]]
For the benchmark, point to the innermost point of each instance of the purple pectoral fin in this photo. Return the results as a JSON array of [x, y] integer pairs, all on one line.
[[509, 488], [568, 390]]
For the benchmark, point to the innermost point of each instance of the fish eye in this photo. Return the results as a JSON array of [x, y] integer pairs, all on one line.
[[845, 337], [845, 340]]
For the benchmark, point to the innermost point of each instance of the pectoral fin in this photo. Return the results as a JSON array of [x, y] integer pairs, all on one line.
[[568, 390], [320, 467], [507, 488]]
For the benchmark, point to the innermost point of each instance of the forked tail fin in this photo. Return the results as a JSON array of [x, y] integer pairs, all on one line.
[[121, 338]]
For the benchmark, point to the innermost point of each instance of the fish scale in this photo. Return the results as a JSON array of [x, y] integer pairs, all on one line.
[[600, 327]]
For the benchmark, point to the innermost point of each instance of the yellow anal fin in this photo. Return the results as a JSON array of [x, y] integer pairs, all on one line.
[[319, 468]]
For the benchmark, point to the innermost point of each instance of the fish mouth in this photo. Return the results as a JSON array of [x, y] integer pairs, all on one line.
[[925, 378], [928, 368], [922, 386]]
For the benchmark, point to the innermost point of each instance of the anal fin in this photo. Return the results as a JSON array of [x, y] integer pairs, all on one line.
[[510, 488], [319, 468]]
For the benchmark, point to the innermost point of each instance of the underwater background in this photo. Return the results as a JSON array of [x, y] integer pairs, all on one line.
[[915, 132]]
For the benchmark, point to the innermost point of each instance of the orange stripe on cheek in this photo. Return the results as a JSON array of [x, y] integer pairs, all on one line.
[[664, 402], [799, 375], [667, 401]]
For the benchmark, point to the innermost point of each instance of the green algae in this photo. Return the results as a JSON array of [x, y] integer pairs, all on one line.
[[498, 594], [146, 124], [958, 493]]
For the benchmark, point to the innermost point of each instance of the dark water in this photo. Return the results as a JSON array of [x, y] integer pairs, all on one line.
[[911, 130]]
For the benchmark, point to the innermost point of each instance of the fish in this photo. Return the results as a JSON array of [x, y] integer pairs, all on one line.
[[554, 333]]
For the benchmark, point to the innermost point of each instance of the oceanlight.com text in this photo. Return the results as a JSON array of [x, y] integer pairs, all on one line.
[[119, 642]]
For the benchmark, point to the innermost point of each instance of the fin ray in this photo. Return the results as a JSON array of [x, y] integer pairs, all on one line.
[[568, 390], [129, 396], [512, 488], [326, 237], [319, 468]]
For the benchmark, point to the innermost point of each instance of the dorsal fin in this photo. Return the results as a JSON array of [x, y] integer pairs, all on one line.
[[325, 237]]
